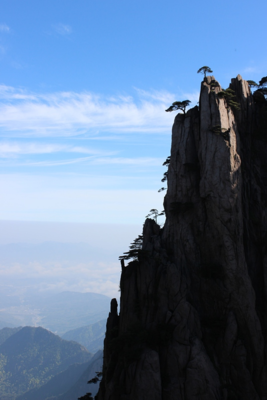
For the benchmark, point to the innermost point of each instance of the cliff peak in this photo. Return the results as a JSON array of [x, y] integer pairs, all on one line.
[[192, 321]]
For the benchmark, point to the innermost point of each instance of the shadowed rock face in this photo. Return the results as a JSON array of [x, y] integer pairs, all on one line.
[[192, 324]]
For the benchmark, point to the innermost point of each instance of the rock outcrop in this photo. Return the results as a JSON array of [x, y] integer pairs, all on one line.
[[192, 322]]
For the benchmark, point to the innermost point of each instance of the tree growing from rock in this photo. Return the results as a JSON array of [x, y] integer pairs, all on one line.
[[230, 97], [87, 396], [167, 161], [260, 94], [263, 86], [204, 70], [179, 105], [154, 214], [165, 175], [97, 378], [135, 250], [252, 83], [263, 82]]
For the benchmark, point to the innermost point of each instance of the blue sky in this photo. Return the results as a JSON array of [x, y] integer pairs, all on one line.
[[83, 131], [84, 86]]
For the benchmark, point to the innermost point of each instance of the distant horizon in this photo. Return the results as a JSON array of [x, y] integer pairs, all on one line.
[[83, 126], [79, 257]]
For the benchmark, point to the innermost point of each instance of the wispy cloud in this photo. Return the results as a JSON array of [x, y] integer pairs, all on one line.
[[12, 159], [70, 113], [54, 163], [193, 97], [62, 29], [128, 161], [8, 149], [161, 96], [251, 69], [167, 97], [4, 28], [13, 149]]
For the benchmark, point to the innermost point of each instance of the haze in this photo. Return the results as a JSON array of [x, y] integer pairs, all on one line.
[[83, 130]]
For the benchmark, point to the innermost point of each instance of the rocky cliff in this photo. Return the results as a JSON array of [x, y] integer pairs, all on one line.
[[192, 322]]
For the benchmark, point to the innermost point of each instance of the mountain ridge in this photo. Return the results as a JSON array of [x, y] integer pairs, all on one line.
[[32, 356]]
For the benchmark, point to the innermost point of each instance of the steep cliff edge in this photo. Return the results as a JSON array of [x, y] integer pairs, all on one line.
[[192, 323]]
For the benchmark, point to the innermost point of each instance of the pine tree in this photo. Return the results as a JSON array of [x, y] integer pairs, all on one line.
[[155, 214], [252, 83], [179, 105], [87, 396], [165, 175], [229, 96], [135, 250], [204, 70]]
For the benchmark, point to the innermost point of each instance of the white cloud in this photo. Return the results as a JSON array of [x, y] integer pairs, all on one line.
[[70, 113], [193, 97], [4, 28], [55, 163], [168, 98], [162, 96], [251, 69], [9, 149], [12, 155], [63, 29], [93, 160]]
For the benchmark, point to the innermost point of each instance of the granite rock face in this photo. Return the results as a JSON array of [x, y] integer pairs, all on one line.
[[192, 323]]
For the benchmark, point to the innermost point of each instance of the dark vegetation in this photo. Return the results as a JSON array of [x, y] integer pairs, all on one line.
[[155, 214], [96, 378], [165, 175], [87, 396], [135, 250], [230, 98], [218, 130], [260, 98], [179, 105], [5, 333], [204, 70], [32, 356], [58, 384]]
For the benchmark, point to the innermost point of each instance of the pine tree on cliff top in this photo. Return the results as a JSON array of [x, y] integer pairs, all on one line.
[[204, 70], [179, 105]]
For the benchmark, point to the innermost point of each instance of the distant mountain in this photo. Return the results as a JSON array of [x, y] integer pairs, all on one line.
[[91, 336], [6, 324], [5, 333], [81, 387], [57, 312], [32, 356], [69, 384], [70, 310]]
